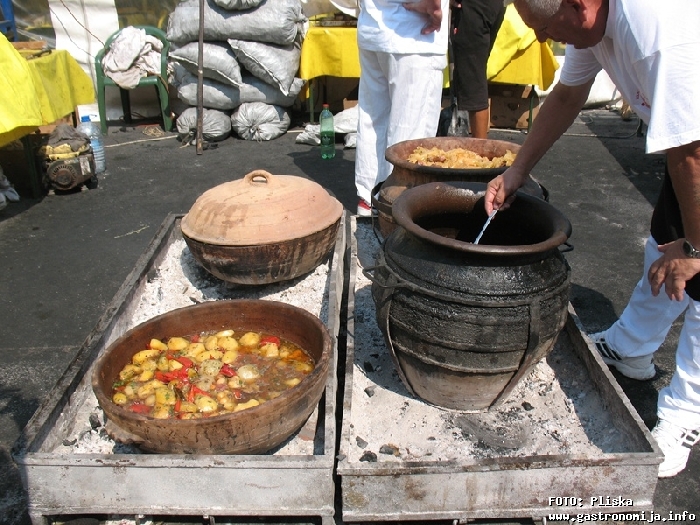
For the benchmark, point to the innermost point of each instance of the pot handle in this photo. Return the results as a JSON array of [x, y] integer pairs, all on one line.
[[256, 174], [368, 272], [568, 247]]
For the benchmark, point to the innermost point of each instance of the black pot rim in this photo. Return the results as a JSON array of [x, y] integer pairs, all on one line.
[[454, 196]]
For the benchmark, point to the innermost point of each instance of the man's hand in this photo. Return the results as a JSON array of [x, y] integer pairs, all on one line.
[[672, 270], [431, 10], [499, 192]]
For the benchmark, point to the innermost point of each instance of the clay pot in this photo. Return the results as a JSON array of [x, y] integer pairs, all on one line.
[[465, 322], [407, 174], [251, 431], [262, 228]]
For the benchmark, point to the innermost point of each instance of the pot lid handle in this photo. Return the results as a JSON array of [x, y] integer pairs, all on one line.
[[254, 177]]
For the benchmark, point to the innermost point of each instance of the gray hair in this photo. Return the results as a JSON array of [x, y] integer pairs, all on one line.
[[540, 8]]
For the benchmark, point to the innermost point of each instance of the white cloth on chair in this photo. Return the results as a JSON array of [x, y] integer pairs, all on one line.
[[132, 55]]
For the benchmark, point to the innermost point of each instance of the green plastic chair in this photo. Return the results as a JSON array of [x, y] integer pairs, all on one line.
[[159, 81]]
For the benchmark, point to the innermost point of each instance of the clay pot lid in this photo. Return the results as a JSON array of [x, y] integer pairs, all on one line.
[[260, 208]]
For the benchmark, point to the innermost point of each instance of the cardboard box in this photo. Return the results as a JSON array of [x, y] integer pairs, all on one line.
[[512, 105]]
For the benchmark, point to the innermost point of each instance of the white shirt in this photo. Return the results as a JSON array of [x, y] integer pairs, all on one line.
[[651, 51], [387, 26]]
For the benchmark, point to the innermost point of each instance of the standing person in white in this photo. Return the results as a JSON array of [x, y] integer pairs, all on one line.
[[650, 51], [403, 52]]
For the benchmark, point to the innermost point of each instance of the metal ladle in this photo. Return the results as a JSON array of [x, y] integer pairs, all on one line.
[[488, 221]]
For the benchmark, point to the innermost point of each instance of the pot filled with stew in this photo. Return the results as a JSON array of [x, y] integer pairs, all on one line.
[[262, 228], [442, 159], [465, 322], [220, 377]]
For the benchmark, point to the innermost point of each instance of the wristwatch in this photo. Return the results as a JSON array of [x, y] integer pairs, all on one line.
[[690, 250]]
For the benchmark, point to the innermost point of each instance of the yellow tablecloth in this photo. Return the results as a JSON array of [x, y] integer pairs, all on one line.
[[517, 56], [330, 51], [38, 91]]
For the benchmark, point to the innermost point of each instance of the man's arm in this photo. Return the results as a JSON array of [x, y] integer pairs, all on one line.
[[674, 268], [558, 111]]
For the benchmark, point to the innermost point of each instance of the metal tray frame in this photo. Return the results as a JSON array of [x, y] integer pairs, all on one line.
[[163, 484], [505, 487]]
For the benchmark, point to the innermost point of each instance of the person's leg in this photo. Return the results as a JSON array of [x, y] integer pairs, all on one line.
[[374, 105], [416, 94], [479, 123], [678, 428], [646, 319], [476, 33], [679, 402]]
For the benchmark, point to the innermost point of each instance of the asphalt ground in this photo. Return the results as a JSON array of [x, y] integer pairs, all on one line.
[[63, 257]]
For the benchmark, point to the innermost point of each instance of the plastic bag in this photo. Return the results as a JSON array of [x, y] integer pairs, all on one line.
[[271, 63], [218, 61], [344, 122], [260, 121], [216, 125]]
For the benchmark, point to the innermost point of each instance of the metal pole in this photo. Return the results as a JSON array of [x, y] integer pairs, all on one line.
[[200, 79]]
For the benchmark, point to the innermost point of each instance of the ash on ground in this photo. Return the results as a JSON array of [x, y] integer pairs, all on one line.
[[555, 410], [179, 281]]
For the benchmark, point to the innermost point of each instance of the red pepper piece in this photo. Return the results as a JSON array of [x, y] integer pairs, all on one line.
[[196, 390], [194, 338], [238, 394], [270, 339], [178, 405], [190, 394], [140, 409], [185, 361], [227, 371]]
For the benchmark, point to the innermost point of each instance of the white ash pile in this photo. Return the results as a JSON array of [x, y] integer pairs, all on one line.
[[180, 281], [553, 411]]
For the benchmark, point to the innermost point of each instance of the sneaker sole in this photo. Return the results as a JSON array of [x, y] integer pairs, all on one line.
[[632, 373]]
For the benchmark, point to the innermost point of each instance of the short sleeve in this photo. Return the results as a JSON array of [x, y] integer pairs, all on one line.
[[580, 66]]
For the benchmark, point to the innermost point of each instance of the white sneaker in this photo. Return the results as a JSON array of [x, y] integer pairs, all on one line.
[[640, 368], [675, 442]]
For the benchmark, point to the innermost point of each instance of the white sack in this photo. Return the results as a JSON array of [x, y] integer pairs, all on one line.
[[216, 125], [218, 61], [274, 21], [260, 121], [237, 5], [217, 95], [271, 63]]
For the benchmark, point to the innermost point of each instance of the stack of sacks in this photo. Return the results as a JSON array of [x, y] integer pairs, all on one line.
[[250, 58]]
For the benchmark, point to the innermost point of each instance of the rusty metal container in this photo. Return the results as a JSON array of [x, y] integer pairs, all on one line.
[[407, 174], [262, 228], [465, 322], [252, 431]]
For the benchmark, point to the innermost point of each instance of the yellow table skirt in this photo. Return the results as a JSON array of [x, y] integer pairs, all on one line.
[[38, 91]]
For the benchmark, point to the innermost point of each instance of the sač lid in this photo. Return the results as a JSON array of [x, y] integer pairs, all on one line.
[[260, 208]]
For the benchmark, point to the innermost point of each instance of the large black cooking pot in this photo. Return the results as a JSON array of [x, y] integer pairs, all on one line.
[[465, 322]]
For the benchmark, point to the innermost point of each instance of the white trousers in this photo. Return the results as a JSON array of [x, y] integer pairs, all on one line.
[[399, 99], [642, 328]]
